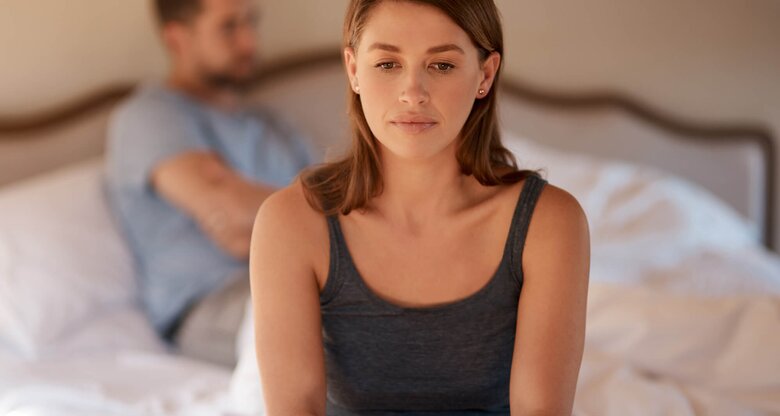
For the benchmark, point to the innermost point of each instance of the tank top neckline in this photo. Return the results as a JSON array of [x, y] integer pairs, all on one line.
[[437, 307]]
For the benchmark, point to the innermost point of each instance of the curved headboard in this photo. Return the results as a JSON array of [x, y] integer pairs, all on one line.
[[735, 162]]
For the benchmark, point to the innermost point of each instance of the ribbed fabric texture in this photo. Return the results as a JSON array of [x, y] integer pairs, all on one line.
[[447, 359]]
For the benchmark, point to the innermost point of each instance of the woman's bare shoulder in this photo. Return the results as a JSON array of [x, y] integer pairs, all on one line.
[[558, 221], [554, 194], [287, 214], [559, 209], [291, 197]]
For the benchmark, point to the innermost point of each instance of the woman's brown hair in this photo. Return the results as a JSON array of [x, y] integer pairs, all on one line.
[[351, 182]]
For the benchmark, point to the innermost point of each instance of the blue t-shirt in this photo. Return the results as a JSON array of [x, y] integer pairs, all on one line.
[[176, 262]]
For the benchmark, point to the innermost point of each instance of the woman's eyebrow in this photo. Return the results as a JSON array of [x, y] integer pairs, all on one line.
[[435, 49], [446, 48], [384, 47]]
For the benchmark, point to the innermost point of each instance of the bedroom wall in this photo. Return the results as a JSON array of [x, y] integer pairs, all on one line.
[[715, 63]]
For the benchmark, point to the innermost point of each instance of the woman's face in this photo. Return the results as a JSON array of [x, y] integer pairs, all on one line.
[[418, 74]]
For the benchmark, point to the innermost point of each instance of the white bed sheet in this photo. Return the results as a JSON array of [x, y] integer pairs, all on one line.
[[115, 365], [122, 383], [658, 348], [663, 348]]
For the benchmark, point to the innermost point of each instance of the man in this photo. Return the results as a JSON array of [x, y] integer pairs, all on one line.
[[188, 166]]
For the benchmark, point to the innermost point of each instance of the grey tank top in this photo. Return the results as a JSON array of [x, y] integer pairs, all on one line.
[[445, 359]]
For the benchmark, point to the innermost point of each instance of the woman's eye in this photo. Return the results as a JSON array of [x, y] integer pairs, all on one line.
[[443, 67], [386, 66]]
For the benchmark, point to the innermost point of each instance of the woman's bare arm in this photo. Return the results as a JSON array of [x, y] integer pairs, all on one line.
[[551, 310], [285, 297]]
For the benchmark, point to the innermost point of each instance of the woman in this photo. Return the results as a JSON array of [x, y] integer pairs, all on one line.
[[391, 280]]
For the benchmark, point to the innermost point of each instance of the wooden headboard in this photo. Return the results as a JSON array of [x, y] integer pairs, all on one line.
[[735, 162]]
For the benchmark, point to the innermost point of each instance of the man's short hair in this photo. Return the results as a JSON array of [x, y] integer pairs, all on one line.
[[176, 10]]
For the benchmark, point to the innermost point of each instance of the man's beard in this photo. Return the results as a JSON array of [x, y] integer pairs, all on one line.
[[224, 80]]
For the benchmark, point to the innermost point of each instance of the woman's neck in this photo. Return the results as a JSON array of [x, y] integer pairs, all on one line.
[[417, 193]]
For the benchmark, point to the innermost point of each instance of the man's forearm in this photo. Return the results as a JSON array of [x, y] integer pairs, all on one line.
[[221, 201], [229, 219]]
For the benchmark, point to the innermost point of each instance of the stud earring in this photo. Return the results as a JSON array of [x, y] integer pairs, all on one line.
[[481, 91]]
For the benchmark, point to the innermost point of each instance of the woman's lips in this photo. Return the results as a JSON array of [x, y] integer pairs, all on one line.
[[414, 127]]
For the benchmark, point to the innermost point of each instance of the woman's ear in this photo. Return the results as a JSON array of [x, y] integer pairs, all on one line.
[[350, 62], [489, 69]]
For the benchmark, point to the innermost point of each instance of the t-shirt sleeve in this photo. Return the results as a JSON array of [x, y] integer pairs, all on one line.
[[298, 143], [301, 147], [145, 132]]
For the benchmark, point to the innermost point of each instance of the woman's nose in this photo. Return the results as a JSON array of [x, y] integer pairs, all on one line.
[[414, 91]]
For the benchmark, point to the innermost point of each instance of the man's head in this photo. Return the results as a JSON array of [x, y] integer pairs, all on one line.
[[213, 40]]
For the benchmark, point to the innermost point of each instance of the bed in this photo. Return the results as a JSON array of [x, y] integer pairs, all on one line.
[[684, 302]]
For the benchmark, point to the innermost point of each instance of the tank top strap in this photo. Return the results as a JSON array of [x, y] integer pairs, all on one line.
[[521, 218], [338, 251]]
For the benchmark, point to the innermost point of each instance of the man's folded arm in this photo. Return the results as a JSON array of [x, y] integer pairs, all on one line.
[[217, 198]]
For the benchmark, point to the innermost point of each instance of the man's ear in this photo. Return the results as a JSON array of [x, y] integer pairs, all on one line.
[[350, 62], [489, 69], [173, 36]]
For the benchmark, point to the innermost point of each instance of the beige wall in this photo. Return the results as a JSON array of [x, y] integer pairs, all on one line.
[[713, 62], [53, 50], [715, 59]]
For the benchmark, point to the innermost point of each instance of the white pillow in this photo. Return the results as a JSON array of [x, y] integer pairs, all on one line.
[[62, 259], [635, 212]]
